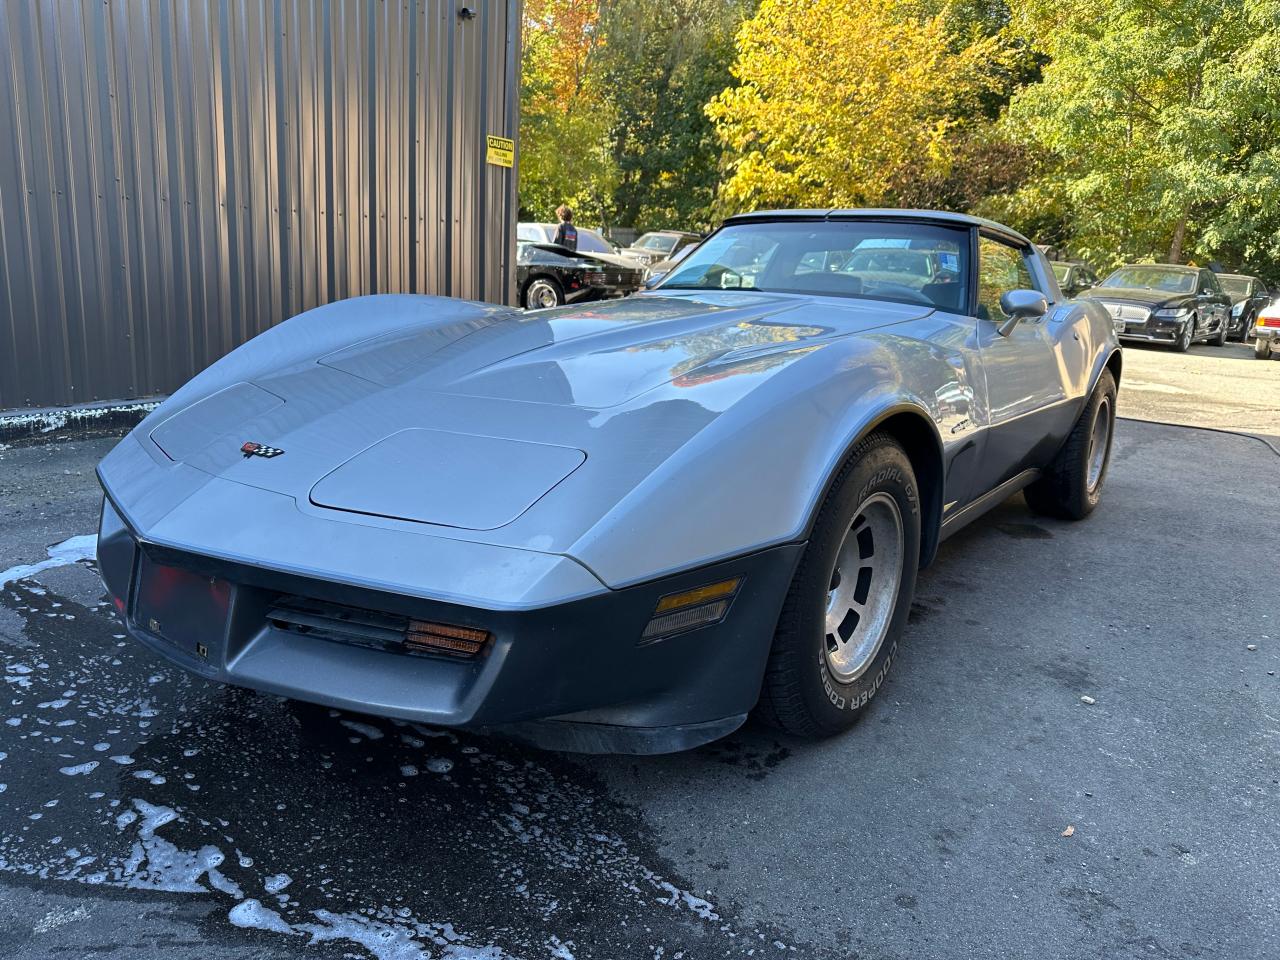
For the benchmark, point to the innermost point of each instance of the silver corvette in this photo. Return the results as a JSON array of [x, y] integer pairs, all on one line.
[[615, 527]]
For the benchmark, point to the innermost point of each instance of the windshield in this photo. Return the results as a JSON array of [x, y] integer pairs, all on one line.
[[531, 232], [880, 259], [656, 241], [591, 242], [1060, 270], [1165, 279], [1237, 288]]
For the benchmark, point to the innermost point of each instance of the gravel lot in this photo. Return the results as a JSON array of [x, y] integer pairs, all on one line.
[[983, 809]]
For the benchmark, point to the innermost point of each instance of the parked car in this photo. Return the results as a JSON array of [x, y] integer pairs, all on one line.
[[589, 241], [1166, 303], [1073, 276], [548, 275], [1248, 296], [1266, 332], [659, 245], [621, 526]]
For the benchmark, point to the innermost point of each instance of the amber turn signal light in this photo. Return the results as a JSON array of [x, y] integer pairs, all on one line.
[[426, 637], [690, 609]]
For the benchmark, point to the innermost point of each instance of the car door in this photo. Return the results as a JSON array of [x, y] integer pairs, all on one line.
[[1024, 371], [1258, 297], [1215, 306]]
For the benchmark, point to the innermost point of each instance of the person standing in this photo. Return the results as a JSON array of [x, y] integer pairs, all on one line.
[[566, 233]]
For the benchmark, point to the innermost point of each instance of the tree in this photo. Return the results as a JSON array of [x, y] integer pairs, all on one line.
[[839, 102], [564, 116], [663, 62], [1160, 118]]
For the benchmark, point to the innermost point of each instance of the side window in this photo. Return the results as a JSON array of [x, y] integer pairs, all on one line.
[[1001, 268]]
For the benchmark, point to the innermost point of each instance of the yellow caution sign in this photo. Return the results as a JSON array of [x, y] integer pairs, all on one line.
[[502, 152]]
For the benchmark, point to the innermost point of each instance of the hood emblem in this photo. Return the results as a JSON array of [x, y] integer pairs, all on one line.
[[251, 449]]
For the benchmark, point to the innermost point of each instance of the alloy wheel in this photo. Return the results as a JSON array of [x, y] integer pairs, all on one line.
[[542, 294], [1099, 445], [864, 587]]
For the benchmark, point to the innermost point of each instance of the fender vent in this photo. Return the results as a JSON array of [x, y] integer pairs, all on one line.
[[376, 630]]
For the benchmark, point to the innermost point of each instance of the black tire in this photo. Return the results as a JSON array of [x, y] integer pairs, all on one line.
[[1186, 337], [535, 286], [1067, 489], [1242, 334], [1220, 340], [1262, 349], [801, 693]]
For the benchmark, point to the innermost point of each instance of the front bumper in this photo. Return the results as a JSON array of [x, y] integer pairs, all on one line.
[[1152, 330], [572, 676], [1267, 333]]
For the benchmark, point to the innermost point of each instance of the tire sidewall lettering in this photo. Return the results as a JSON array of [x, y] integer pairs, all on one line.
[[863, 692]]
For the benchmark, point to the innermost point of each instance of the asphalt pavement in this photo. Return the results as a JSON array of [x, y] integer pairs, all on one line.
[[983, 809], [1225, 388]]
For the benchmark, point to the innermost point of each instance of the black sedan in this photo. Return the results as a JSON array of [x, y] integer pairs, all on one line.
[[548, 275], [1073, 276], [1165, 303], [1248, 296]]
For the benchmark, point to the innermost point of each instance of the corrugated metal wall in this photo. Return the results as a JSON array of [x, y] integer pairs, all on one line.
[[178, 175]]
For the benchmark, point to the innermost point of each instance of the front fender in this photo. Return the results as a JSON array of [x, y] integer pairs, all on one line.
[[755, 475], [1102, 344]]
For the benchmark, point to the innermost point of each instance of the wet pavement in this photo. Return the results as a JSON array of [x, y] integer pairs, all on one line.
[[147, 813]]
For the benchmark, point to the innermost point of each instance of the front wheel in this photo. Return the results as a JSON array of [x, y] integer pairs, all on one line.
[[1262, 348], [1071, 485], [1186, 335], [847, 606]]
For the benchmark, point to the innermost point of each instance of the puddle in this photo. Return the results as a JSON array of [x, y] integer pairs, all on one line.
[[406, 842]]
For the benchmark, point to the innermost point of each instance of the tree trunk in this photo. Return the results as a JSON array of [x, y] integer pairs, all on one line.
[[1179, 234]]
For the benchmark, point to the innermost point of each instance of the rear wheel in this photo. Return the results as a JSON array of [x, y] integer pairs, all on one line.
[[1072, 483], [1262, 348], [542, 292], [848, 603]]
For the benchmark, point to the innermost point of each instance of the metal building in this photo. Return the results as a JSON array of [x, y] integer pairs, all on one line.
[[178, 175]]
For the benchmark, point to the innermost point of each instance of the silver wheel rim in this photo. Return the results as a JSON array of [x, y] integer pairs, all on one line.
[[541, 294], [1099, 443], [864, 588], [1187, 332]]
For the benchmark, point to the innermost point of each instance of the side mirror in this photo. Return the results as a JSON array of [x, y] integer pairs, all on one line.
[[653, 280], [1020, 304]]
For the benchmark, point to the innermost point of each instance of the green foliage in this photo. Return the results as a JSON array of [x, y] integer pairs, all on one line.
[[663, 62], [1159, 118], [850, 102], [1119, 129], [565, 116]]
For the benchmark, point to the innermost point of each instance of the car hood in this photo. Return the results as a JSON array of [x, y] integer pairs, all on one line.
[[550, 253], [1138, 295], [466, 424]]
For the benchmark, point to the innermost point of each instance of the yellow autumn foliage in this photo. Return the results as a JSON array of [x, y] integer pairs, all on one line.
[[836, 100]]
